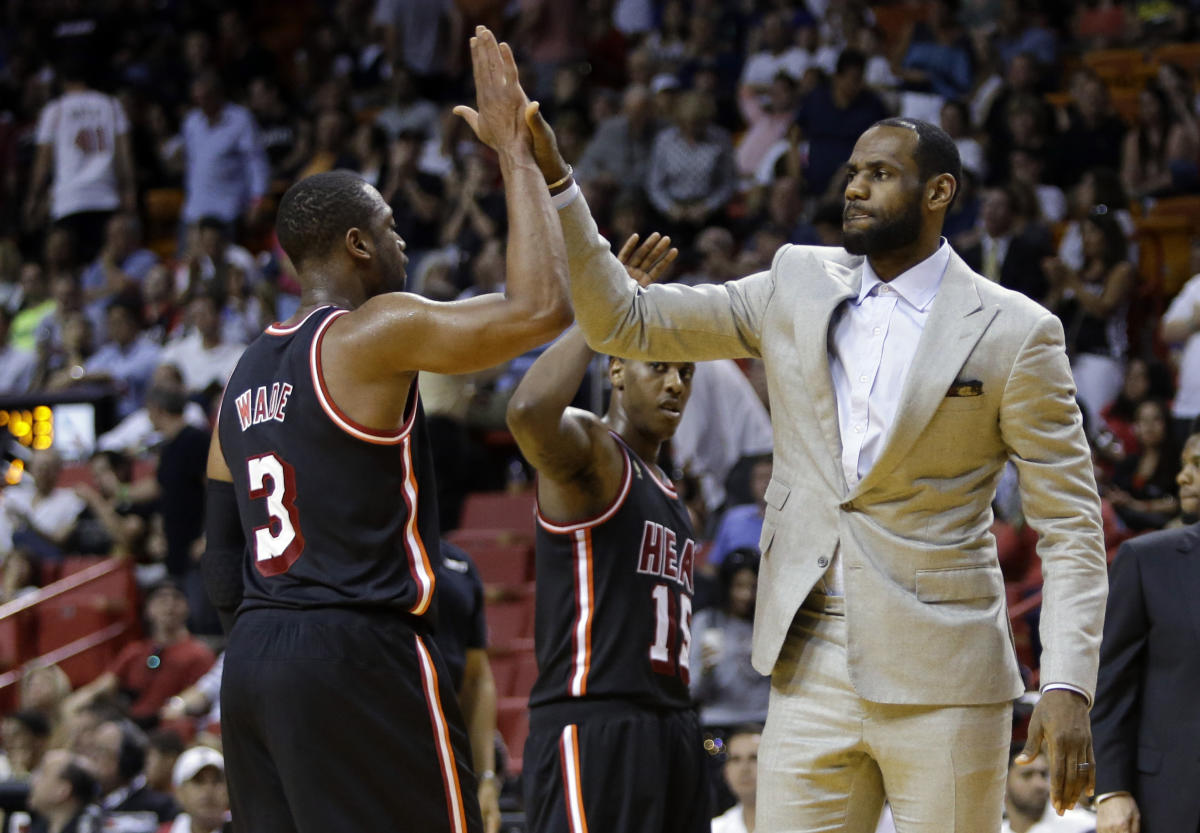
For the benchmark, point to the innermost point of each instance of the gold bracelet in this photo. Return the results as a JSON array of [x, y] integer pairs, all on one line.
[[564, 179]]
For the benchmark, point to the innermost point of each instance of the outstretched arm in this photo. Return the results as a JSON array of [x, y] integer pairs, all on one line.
[[562, 442]]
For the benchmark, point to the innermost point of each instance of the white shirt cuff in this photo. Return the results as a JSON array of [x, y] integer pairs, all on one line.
[[1114, 794], [1068, 687], [561, 201]]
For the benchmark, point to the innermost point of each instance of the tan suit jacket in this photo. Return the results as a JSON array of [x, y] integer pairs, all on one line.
[[925, 602]]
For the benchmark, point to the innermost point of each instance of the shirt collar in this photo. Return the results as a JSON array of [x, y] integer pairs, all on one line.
[[917, 285]]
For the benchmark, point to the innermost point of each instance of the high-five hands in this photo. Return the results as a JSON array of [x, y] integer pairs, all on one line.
[[500, 121]]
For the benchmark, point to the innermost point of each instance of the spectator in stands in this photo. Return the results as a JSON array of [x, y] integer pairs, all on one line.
[[938, 56], [209, 255], [741, 776], [767, 115], [24, 735], [163, 748], [714, 248], [477, 210], [329, 139], [18, 576], [1004, 249], [1180, 329], [1020, 84], [740, 526], [776, 54], [956, 121], [126, 360], [1092, 303], [1089, 130], [16, 364], [1143, 484], [618, 155], [43, 515], [1027, 167], [726, 687], [61, 795], [1158, 156], [30, 305], [416, 198], [116, 751], [118, 508], [121, 265], [833, 116], [68, 301], [244, 315], [199, 780], [150, 670], [408, 110], [225, 168], [83, 145], [1144, 379], [136, 434], [1027, 806], [1098, 187], [43, 689], [202, 355], [160, 310], [691, 174], [286, 137]]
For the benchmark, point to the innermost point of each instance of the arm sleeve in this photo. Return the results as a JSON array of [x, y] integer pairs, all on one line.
[[663, 322], [1043, 429], [221, 565], [1119, 686]]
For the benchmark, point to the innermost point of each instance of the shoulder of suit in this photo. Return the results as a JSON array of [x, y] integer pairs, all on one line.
[[1007, 300], [1163, 540], [792, 254]]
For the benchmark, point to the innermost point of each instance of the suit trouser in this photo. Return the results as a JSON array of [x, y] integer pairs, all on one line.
[[829, 758]]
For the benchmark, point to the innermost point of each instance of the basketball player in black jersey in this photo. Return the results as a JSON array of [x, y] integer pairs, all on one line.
[[614, 744], [337, 710]]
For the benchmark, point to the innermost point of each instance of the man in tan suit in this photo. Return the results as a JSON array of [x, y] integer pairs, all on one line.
[[901, 382]]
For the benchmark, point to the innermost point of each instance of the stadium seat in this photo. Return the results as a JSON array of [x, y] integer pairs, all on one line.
[[499, 510], [510, 618], [505, 565], [1119, 67], [1183, 55]]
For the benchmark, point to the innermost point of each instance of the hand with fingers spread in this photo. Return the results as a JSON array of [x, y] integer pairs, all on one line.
[[500, 121], [648, 262], [1060, 721]]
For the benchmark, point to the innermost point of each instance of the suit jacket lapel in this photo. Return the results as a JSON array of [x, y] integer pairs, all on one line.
[[1188, 566], [813, 316], [955, 325]]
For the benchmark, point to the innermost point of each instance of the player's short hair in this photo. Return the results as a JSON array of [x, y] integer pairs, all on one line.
[[935, 153], [316, 212]]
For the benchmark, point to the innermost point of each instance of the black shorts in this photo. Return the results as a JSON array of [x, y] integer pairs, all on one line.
[[604, 767], [338, 720]]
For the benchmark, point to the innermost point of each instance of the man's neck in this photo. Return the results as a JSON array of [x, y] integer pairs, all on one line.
[[1018, 821], [748, 811]]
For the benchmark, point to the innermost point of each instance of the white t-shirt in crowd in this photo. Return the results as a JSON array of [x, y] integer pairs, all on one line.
[[731, 821], [82, 127], [1187, 399]]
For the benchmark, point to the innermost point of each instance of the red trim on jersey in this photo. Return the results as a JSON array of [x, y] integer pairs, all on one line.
[[441, 741], [564, 529], [414, 547], [278, 329], [585, 611], [568, 752], [339, 418]]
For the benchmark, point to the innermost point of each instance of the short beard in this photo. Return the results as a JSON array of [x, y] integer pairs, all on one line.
[[898, 232]]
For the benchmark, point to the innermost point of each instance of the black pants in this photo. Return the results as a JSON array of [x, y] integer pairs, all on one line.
[[338, 720], [609, 767]]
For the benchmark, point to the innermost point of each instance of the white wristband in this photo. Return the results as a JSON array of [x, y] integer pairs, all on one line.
[[561, 201]]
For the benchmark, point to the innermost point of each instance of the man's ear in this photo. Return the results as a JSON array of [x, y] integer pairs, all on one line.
[[616, 373], [357, 244], [940, 192]]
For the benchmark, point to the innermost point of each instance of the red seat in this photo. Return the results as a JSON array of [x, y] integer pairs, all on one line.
[[512, 720], [510, 618], [504, 565], [78, 563], [499, 510]]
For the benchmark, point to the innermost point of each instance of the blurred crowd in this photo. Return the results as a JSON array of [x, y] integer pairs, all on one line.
[[144, 145]]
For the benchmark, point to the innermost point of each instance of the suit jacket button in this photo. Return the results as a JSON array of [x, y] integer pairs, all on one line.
[[822, 561], [848, 506]]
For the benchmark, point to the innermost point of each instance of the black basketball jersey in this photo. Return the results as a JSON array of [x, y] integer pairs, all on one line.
[[335, 514], [614, 598]]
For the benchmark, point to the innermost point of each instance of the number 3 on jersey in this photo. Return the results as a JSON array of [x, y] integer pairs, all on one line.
[[664, 633], [279, 543]]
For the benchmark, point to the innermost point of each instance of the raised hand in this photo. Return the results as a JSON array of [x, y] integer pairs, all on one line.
[[500, 121], [648, 262]]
